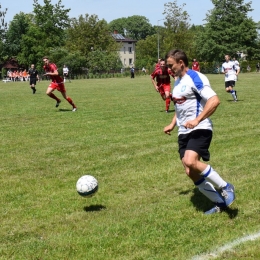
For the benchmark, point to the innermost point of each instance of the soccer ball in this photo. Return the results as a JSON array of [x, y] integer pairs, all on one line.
[[87, 186]]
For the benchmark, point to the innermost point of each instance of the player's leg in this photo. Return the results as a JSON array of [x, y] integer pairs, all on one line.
[[167, 89], [63, 92], [33, 85], [49, 91], [192, 148]]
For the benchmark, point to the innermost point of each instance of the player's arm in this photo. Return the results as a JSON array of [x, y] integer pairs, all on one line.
[[167, 129], [154, 82], [54, 73], [210, 107]]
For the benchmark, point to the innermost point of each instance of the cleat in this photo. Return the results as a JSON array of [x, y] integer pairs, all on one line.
[[214, 210], [74, 109], [228, 194], [58, 103], [34, 90]]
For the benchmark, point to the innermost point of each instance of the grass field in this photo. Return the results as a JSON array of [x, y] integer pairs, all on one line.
[[146, 208]]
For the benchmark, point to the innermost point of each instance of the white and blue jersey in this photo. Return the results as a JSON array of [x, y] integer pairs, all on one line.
[[230, 69], [190, 94]]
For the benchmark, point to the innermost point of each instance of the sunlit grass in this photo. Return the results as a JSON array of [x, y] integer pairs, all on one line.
[[146, 208]]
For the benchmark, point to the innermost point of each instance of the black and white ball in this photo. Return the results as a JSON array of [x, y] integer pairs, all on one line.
[[87, 186]]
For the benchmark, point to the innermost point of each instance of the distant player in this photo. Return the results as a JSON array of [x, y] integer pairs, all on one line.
[[231, 70], [57, 83], [65, 72], [195, 65], [33, 74], [162, 82]]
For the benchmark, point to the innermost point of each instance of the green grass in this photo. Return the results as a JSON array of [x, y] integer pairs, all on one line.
[[146, 208]]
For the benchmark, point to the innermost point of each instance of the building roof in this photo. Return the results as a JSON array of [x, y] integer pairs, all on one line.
[[120, 38]]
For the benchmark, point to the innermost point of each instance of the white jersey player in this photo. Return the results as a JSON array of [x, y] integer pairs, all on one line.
[[231, 70], [190, 100], [195, 102]]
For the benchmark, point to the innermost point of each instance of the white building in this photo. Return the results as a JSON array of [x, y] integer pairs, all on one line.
[[127, 51]]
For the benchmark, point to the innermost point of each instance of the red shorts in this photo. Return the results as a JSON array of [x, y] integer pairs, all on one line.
[[163, 88], [59, 86]]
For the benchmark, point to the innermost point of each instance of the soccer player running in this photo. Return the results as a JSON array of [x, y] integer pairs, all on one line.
[[57, 83], [194, 102], [162, 84], [33, 74], [231, 71]]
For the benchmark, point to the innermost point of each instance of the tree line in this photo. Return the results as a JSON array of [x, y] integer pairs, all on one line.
[[85, 43]]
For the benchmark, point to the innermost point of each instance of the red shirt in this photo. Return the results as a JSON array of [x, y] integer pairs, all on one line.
[[51, 68], [162, 77], [195, 66]]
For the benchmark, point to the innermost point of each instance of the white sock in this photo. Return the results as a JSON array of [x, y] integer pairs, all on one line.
[[213, 177], [210, 192]]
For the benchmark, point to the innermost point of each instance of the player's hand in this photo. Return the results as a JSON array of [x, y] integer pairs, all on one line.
[[191, 124], [167, 129]]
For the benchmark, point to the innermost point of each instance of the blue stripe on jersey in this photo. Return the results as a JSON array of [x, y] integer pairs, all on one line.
[[196, 79], [198, 84]]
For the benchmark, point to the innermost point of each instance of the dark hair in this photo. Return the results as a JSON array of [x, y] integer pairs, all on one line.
[[45, 57], [178, 55]]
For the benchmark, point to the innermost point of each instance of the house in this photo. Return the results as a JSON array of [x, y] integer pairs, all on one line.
[[127, 51]]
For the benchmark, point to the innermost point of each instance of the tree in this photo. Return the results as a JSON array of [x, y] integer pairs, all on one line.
[[3, 28], [228, 31], [17, 28], [46, 31], [94, 42], [136, 27], [176, 33], [118, 25], [146, 52]]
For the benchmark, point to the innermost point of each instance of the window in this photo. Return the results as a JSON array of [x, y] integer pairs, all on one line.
[[125, 62], [130, 61], [130, 49], [124, 49]]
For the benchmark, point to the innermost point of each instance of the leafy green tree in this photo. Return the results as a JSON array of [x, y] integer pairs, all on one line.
[[46, 31], [88, 33], [103, 61], [136, 27], [228, 30], [74, 60], [3, 28], [176, 33], [146, 52], [118, 25], [17, 28]]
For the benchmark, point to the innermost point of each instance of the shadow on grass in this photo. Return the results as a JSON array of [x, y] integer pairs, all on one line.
[[169, 111], [201, 203], [64, 110], [94, 208]]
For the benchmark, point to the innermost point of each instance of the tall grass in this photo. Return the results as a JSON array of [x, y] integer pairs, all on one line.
[[146, 208]]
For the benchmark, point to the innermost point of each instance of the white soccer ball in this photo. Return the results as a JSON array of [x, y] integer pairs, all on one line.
[[87, 186]]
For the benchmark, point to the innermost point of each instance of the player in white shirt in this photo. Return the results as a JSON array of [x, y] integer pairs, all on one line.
[[231, 70], [65, 72], [194, 102]]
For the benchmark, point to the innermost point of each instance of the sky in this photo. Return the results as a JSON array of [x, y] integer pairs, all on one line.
[[114, 9]]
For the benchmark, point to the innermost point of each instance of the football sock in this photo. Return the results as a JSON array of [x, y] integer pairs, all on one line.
[[233, 93], [51, 95], [71, 102], [207, 189], [212, 176], [167, 103]]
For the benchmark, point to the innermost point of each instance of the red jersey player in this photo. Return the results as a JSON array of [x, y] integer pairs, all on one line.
[[57, 83], [162, 84], [195, 65]]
